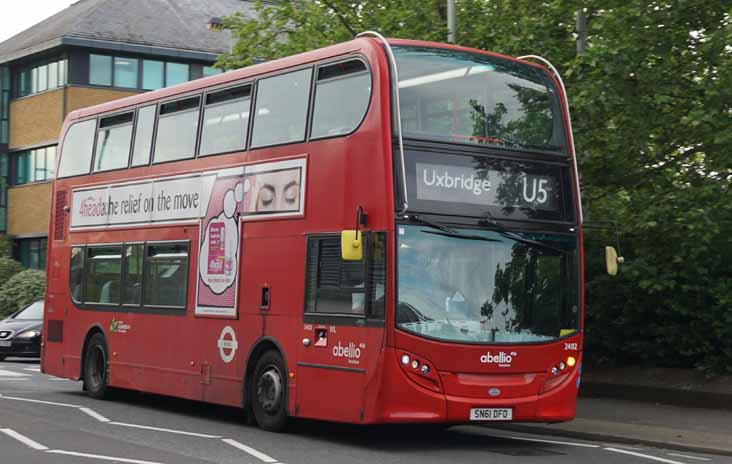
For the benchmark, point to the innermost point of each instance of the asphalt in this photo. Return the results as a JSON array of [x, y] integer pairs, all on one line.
[[606, 431]]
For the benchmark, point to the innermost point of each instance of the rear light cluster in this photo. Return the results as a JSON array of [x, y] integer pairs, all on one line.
[[559, 373], [420, 371]]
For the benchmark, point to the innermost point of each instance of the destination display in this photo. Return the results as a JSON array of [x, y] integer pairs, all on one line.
[[483, 186], [488, 187]]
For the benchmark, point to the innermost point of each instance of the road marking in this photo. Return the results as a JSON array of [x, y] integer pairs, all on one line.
[[7, 373], [32, 369], [38, 401], [99, 456], [688, 457], [248, 449], [94, 414], [90, 412], [179, 432], [583, 445], [641, 455], [23, 439]]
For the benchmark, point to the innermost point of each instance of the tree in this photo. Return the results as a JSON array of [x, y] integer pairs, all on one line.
[[651, 110]]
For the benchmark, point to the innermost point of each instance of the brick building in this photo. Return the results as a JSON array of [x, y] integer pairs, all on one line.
[[91, 52]]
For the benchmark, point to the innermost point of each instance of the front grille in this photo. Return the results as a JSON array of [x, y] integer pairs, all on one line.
[[5, 334]]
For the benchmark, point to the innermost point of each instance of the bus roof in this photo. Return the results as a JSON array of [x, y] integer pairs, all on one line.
[[264, 68]]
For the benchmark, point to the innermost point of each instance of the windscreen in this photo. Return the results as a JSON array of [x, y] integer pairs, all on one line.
[[32, 312], [456, 96], [485, 286]]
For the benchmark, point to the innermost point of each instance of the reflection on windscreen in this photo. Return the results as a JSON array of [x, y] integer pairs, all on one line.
[[492, 291], [32, 312], [466, 97]]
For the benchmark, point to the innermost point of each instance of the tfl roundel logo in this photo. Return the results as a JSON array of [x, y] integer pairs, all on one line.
[[494, 392]]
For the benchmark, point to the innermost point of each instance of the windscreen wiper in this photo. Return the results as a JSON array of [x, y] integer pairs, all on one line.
[[491, 222], [422, 221], [447, 231]]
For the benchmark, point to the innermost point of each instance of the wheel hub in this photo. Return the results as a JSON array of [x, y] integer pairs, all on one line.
[[269, 389]]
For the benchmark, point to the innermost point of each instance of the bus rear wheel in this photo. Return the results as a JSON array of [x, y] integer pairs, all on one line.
[[268, 392], [95, 367]]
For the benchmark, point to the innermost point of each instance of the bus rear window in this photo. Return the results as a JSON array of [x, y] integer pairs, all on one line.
[[77, 149]]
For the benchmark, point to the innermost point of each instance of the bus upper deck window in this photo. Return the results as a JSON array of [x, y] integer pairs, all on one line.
[[281, 109], [143, 135], [177, 130], [114, 138], [77, 149], [342, 95], [225, 120]]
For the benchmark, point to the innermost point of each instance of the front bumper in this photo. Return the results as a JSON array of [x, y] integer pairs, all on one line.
[[402, 400], [22, 348]]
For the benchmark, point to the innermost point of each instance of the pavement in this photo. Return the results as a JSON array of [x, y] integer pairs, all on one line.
[[672, 408]]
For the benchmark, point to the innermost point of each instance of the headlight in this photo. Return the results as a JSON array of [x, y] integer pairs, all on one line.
[[29, 334]]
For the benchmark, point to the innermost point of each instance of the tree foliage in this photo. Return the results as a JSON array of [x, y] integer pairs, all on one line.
[[651, 106]]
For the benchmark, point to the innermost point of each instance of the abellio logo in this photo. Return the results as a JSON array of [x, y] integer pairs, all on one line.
[[502, 359], [351, 351]]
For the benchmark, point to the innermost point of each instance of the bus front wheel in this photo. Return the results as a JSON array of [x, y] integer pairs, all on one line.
[[268, 392], [95, 367]]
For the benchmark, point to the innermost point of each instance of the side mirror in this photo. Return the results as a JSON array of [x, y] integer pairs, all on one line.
[[351, 249], [612, 260]]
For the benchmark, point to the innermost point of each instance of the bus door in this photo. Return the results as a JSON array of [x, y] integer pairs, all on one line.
[[341, 331]]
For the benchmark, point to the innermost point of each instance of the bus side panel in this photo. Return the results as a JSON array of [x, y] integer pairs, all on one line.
[[273, 257]]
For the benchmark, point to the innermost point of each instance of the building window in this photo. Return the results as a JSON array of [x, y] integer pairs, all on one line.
[[176, 73], [132, 73], [40, 77], [32, 165], [31, 252], [211, 71], [153, 75], [4, 102], [125, 72], [100, 70]]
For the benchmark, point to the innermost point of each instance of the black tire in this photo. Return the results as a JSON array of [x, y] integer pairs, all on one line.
[[268, 392], [95, 367]]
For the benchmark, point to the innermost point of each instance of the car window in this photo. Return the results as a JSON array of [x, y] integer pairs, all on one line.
[[32, 312]]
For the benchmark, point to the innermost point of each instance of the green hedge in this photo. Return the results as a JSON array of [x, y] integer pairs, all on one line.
[[21, 289]]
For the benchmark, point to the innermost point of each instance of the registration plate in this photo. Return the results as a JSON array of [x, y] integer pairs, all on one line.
[[6, 343], [491, 414]]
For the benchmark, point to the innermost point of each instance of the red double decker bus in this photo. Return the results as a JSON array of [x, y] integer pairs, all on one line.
[[376, 231]]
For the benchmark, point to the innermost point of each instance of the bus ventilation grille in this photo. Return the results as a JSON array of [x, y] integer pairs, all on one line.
[[58, 224], [55, 331]]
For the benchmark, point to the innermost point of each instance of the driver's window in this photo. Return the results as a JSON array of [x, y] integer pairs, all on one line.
[[334, 286]]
